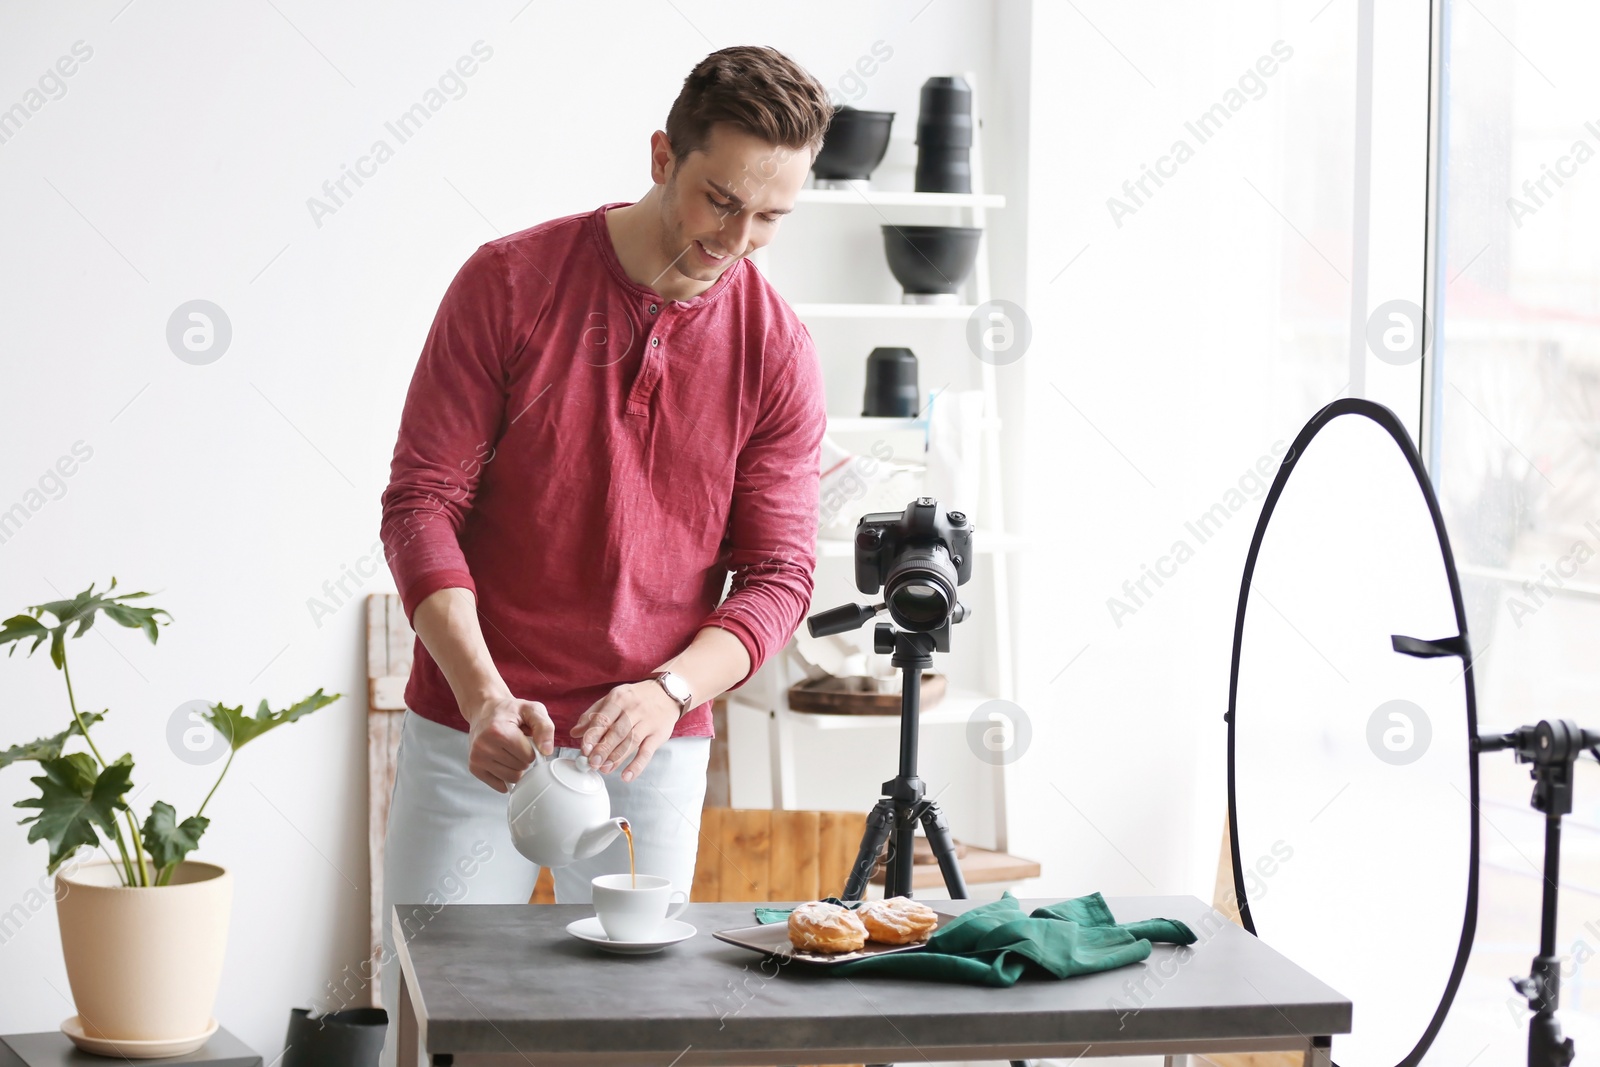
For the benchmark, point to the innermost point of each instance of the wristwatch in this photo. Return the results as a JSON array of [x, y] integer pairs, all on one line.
[[676, 688]]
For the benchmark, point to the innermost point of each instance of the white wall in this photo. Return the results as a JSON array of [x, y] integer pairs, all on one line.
[[1171, 351], [177, 166]]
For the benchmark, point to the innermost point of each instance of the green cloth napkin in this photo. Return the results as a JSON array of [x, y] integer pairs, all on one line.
[[995, 943]]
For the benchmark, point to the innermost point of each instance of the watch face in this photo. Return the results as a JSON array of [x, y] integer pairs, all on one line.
[[676, 687]]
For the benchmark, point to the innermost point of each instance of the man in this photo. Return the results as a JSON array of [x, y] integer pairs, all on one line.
[[611, 412]]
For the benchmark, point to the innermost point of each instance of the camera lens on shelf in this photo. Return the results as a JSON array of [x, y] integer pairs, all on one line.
[[944, 136]]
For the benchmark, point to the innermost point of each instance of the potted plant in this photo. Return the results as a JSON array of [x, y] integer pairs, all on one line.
[[142, 931]]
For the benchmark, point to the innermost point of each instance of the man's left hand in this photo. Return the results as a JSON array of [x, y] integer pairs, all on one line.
[[631, 721]]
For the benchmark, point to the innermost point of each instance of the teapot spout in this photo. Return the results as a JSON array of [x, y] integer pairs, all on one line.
[[594, 840]]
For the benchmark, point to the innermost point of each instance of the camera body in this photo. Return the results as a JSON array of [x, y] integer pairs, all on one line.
[[882, 537]]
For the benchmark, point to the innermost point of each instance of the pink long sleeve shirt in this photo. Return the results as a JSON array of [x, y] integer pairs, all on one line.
[[592, 461]]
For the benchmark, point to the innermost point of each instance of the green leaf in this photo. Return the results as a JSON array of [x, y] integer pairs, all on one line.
[[167, 840], [81, 609], [240, 729], [73, 801], [20, 627], [46, 747]]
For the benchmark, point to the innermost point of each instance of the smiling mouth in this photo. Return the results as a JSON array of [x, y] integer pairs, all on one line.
[[711, 255]]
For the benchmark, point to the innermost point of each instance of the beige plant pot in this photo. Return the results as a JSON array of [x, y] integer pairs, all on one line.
[[144, 963]]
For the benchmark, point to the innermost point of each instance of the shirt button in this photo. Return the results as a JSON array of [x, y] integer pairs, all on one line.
[[654, 308], [654, 341]]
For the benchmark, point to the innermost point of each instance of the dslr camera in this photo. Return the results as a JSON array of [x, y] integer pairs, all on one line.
[[918, 557]]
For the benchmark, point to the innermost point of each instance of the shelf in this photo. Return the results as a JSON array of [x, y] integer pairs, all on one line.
[[979, 866], [898, 198], [876, 423], [987, 544], [789, 733], [956, 707], [891, 424], [885, 311]]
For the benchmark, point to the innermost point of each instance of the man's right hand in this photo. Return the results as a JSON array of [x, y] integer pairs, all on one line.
[[502, 735]]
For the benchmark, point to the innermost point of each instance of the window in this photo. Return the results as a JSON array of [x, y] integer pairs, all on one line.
[[1516, 418]]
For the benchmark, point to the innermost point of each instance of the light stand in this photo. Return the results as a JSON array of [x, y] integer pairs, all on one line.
[[1553, 748]]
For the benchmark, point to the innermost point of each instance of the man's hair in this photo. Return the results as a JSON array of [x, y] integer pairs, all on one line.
[[755, 89]]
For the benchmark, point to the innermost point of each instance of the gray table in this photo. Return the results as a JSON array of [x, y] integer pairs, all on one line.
[[54, 1049], [502, 985]]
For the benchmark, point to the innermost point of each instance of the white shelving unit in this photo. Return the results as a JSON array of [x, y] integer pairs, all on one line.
[[879, 198], [961, 312], [992, 542], [988, 543]]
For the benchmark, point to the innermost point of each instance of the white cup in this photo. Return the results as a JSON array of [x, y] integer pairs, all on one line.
[[635, 913]]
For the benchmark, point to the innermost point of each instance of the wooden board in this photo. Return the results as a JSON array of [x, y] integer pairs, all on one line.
[[745, 850], [389, 649], [838, 841], [759, 854], [848, 696], [708, 862], [792, 870]]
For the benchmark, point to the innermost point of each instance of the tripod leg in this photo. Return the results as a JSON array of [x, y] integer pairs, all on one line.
[[898, 875], [880, 820], [944, 849]]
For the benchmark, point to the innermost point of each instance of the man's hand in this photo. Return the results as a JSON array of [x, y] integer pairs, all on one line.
[[630, 721], [504, 731]]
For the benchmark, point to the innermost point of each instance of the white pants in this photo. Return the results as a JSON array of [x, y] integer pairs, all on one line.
[[448, 841]]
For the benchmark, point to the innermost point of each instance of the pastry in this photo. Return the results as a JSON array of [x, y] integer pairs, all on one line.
[[898, 920], [818, 926]]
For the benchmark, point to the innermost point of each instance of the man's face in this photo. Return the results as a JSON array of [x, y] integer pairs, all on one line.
[[726, 201]]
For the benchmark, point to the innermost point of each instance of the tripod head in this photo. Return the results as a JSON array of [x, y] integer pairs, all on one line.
[[1553, 749], [847, 617]]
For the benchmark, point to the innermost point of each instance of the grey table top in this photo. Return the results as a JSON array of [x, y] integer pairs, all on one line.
[[510, 979], [54, 1049]]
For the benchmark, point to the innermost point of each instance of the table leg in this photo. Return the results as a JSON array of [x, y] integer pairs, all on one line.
[[1177, 1061], [408, 1027], [1320, 1054]]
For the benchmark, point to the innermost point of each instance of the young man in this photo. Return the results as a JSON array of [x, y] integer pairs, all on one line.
[[611, 412]]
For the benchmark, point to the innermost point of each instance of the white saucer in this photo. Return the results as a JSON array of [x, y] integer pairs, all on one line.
[[136, 1050], [672, 931]]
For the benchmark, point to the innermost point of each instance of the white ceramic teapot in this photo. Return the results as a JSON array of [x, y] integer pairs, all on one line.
[[559, 811]]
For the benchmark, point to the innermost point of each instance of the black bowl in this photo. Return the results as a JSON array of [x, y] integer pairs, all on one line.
[[931, 259], [854, 145]]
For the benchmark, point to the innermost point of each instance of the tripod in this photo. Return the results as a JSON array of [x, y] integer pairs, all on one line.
[[1553, 748], [918, 558], [903, 805]]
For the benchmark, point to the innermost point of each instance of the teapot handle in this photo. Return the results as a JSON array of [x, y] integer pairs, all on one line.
[[529, 769]]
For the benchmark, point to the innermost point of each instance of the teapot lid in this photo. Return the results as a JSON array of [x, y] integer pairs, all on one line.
[[577, 774]]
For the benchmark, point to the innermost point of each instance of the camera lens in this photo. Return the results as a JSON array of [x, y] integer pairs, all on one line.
[[920, 589]]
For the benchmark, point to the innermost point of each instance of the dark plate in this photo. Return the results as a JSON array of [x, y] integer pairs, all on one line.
[[772, 939]]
